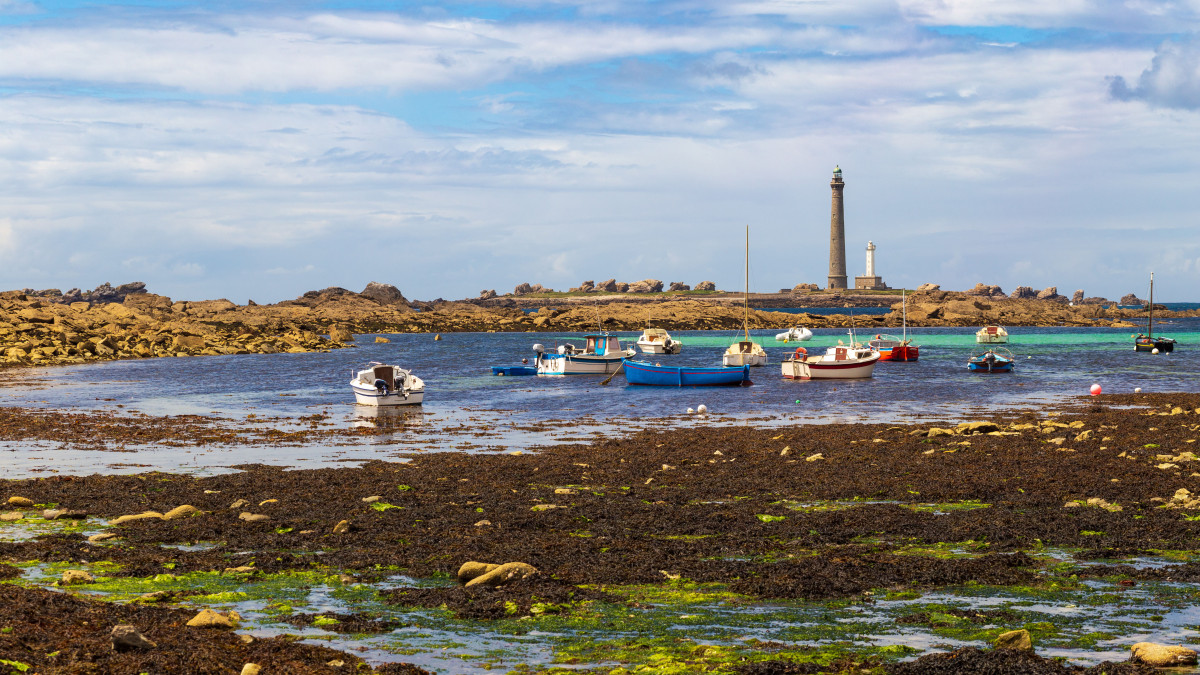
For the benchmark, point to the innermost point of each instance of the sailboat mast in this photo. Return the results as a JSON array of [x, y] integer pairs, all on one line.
[[746, 295], [903, 316], [1150, 326]]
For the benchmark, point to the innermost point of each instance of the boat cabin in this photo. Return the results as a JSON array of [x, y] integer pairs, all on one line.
[[601, 344], [745, 347], [654, 335]]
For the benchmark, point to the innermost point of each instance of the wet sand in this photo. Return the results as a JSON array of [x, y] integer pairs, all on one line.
[[804, 513]]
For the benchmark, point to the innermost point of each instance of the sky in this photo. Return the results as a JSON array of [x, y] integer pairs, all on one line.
[[258, 150]]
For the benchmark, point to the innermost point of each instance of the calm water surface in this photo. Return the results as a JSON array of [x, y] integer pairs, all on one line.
[[466, 407]]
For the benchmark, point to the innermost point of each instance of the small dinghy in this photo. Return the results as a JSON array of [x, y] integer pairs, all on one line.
[[381, 384], [794, 334], [995, 360], [644, 372]]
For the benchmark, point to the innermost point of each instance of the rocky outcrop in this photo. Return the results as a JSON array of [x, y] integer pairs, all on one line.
[[1162, 656], [1077, 297], [1095, 301], [706, 286], [622, 287], [608, 286], [986, 291], [1131, 299], [487, 294], [523, 289], [384, 294], [801, 288], [586, 287], [646, 286], [1023, 293], [679, 286], [1051, 293], [928, 288], [104, 293]]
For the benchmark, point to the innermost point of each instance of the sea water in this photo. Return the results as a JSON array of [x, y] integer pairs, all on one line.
[[466, 407]]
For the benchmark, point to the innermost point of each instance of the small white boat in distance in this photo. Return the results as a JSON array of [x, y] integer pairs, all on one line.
[[386, 385], [842, 362], [794, 334], [658, 341], [991, 335], [600, 355]]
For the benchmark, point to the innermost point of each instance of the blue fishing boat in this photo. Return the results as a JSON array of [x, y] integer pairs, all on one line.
[[997, 360], [513, 371], [644, 372]]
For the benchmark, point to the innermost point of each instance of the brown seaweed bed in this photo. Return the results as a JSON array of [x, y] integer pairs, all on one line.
[[753, 510]]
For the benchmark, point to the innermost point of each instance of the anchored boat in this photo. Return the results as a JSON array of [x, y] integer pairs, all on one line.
[[745, 352], [643, 372], [794, 334], [1149, 343], [386, 385], [991, 335], [658, 341], [841, 362], [995, 360], [892, 348], [600, 354]]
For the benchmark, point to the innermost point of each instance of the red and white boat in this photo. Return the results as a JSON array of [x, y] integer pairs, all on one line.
[[892, 348], [841, 362]]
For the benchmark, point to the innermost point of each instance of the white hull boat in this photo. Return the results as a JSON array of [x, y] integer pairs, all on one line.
[[387, 385], [600, 355], [795, 334], [841, 362], [744, 353], [658, 341], [991, 335]]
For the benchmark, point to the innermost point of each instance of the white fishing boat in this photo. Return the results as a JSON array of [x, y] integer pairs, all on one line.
[[841, 362], [599, 355], [658, 341], [381, 384], [991, 335], [745, 352], [794, 334]]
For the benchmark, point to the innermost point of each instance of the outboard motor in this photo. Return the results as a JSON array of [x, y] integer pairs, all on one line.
[[562, 349], [538, 349]]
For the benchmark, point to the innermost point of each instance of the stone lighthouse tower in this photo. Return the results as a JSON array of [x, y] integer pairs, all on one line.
[[837, 234]]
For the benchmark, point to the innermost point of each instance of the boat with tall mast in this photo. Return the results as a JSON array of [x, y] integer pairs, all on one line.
[[890, 347], [1147, 342], [745, 352]]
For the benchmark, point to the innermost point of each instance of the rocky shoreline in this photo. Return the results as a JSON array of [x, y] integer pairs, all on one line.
[[620, 541], [42, 328]]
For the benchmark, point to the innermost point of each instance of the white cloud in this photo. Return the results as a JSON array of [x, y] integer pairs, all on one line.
[[1172, 80]]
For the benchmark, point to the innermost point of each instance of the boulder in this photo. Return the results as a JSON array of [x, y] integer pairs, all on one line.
[[253, 517], [1023, 293], [20, 501], [384, 294], [1051, 293], [126, 638], [11, 516], [342, 527], [971, 428], [210, 619], [487, 294], [339, 333], [504, 574], [251, 669], [523, 289], [585, 287], [1077, 297], [608, 286], [986, 291], [1162, 656], [181, 512], [646, 286], [1014, 639], [679, 286], [706, 286], [379, 339], [801, 288], [1095, 300], [1131, 299], [103, 536], [239, 504], [152, 515], [928, 288], [70, 577], [471, 569], [622, 287]]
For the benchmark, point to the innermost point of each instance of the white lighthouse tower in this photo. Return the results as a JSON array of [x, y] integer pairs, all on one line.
[[870, 282]]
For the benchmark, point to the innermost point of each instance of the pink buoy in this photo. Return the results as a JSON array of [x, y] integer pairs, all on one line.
[[1095, 390]]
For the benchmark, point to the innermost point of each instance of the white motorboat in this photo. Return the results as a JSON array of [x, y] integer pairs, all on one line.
[[658, 341], [794, 334], [745, 352], [991, 335], [600, 354], [841, 362], [386, 385]]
